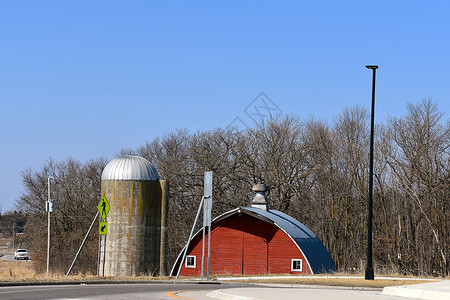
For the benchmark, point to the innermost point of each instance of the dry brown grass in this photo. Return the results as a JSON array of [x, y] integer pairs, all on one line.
[[345, 282], [20, 271], [16, 271], [4, 241], [338, 279]]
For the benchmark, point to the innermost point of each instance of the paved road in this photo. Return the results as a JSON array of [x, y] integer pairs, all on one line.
[[182, 291], [259, 293], [169, 291], [102, 291]]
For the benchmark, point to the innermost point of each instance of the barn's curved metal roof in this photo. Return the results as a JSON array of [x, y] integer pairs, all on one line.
[[313, 250], [130, 167]]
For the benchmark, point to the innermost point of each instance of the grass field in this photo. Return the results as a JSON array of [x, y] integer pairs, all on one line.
[[16, 271]]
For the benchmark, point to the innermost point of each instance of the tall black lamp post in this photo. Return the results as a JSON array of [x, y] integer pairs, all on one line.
[[369, 268]]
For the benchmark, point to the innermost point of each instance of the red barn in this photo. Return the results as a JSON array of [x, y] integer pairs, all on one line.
[[255, 240]]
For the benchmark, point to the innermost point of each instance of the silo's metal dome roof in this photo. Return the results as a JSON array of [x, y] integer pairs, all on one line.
[[130, 167]]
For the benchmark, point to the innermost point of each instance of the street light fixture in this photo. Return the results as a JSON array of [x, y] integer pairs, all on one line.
[[369, 268]]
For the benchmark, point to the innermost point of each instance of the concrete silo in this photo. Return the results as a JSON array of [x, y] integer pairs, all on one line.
[[137, 221]]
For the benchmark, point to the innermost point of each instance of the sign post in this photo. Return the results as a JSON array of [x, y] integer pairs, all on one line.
[[103, 208], [207, 206]]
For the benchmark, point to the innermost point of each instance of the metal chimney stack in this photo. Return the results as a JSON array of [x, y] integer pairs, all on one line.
[[260, 200]]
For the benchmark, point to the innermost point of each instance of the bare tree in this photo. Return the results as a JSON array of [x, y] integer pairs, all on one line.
[[278, 155], [76, 193], [420, 167]]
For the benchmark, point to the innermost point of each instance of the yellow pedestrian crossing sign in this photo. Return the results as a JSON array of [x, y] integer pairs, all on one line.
[[103, 207], [103, 228]]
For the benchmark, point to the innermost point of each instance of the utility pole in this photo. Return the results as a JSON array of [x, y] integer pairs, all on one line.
[[369, 270], [49, 208], [14, 234]]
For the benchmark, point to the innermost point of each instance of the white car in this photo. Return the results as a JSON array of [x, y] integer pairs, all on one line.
[[21, 254]]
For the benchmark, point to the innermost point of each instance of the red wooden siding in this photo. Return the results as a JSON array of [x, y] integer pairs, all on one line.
[[242, 244], [255, 245], [278, 260], [226, 254]]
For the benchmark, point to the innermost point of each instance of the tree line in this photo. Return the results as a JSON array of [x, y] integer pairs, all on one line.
[[318, 174]]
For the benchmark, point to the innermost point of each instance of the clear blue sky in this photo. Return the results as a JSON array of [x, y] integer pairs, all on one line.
[[88, 78]]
